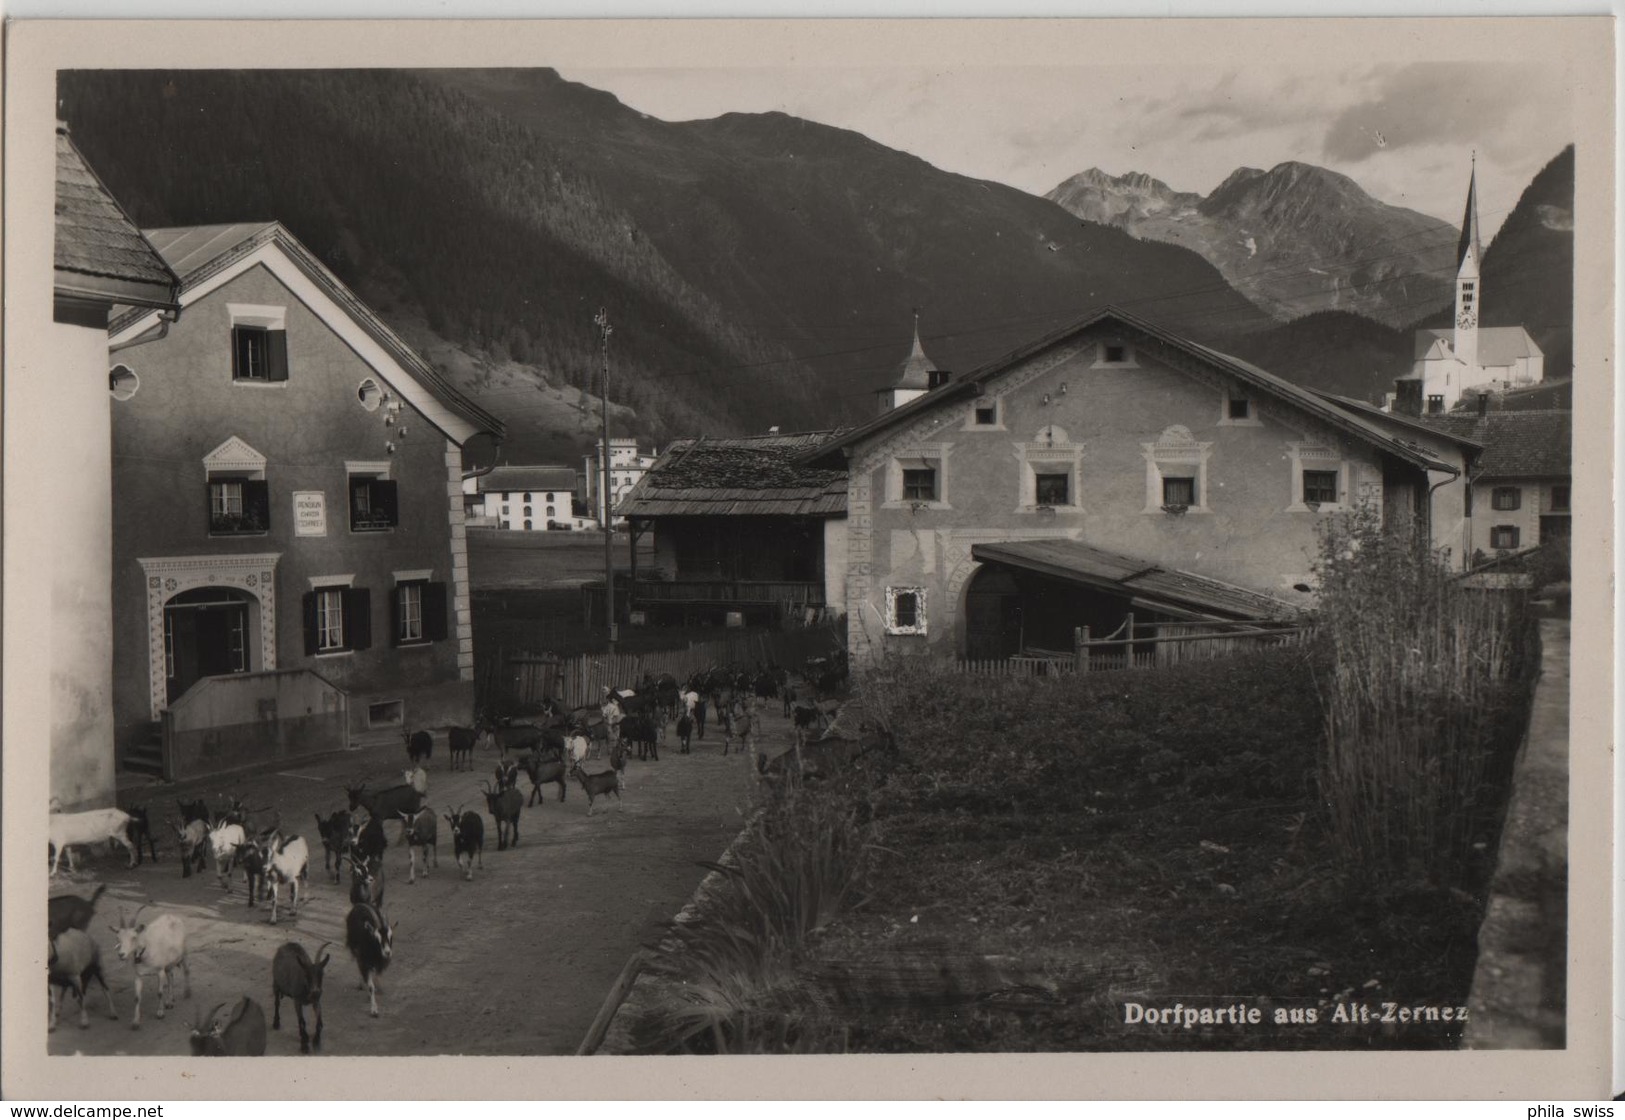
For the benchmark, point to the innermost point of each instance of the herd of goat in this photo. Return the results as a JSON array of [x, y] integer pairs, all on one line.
[[550, 748]]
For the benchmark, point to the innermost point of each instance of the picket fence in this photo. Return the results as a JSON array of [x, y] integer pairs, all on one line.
[[580, 679]]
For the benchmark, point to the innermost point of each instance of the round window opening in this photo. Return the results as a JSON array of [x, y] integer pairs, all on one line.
[[370, 394], [122, 382]]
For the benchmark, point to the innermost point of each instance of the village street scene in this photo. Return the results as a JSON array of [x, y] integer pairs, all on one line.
[[774, 584]]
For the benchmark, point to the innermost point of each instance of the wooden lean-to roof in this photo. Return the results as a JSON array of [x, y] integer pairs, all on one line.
[[739, 476]]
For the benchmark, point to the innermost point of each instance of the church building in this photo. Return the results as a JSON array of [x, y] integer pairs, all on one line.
[[1467, 358]]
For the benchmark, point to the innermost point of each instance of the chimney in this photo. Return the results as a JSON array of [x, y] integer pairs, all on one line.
[[937, 378], [1483, 404], [1408, 396]]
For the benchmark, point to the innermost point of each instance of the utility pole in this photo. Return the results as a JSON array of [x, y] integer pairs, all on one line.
[[604, 331]]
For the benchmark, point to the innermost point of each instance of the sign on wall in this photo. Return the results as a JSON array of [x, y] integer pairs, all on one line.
[[309, 513]]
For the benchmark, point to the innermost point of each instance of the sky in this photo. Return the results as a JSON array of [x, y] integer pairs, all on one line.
[[1406, 133]]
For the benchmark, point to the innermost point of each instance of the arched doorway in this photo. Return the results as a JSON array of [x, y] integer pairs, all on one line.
[[208, 632], [993, 621]]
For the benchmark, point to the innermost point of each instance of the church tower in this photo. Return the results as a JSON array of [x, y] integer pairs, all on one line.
[[1469, 254], [917, 376]]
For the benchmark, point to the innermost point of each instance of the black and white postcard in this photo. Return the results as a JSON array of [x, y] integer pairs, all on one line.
[[955, 558]]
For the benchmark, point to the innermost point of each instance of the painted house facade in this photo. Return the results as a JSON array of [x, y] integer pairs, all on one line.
[[740, 529], [1520, 482], [290, 559], [530, 499], [1124, 439], [63, 548]]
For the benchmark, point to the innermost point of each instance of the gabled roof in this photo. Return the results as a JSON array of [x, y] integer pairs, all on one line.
[[1530, 443], [206, 256], [744, 475], [1145, 583], [545, 479], [100, 254], [1497, 346], [972, 386], [1400, 420]]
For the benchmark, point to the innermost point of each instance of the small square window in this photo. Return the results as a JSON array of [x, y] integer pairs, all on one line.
[[1178, 490], [1240, 408], [1560, 499], [1506, 497], [919, 484], [238, 506], [1504, 536], [372, 504], [1115, 353], [987, 414], [258, 354], [1320, 486], [1052, 489]]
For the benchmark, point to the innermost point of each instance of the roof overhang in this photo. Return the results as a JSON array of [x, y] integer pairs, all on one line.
[[91, 288], [1143, 583], [274, 249]]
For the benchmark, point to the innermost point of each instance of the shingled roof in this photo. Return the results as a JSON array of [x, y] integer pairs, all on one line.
[[100, 254], [745, 475], [1533, 443]]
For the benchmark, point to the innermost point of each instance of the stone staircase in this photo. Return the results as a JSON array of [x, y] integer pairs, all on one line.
[[147, 756]]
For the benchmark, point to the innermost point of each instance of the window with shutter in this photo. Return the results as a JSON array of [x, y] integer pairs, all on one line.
[[238, 506], [373, 504]]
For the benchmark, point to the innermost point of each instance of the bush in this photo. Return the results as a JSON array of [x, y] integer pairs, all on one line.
[[1426, 687]]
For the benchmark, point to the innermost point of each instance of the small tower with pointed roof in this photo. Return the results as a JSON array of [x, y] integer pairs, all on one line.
[[1469, 253], [917, 376]]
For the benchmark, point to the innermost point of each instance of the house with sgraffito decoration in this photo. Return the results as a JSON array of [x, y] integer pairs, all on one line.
[[1111, 467], [290, 564]]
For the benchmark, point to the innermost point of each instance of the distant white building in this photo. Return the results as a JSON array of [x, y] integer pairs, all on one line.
[[1467, 358], [917, 376], [538, 499], [627, 466]]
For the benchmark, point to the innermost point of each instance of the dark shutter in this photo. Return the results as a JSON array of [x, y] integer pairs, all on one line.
[[395, 615], [358, 617], [257, 502], [312, 637], [384, 500], [276, 354], [208, 504], [237, 343], [434, 611]]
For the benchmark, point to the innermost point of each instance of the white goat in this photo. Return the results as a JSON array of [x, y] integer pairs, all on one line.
[[158, 947], [418, 779], [578, 746], [74, 962], [224, 842], [287, 860], [94, 827]]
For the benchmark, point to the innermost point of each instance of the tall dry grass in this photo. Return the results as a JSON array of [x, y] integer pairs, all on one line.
[[1425, 687]]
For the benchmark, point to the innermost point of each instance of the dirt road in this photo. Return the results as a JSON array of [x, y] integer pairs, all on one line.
[[516, 962]]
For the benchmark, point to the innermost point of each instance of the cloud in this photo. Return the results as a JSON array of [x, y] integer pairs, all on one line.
[[1492, 107]]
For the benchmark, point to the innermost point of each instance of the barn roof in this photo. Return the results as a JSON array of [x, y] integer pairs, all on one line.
[[974, 383], [546, 479], [1145, 583], [99, 252], [739, 476], [1522, 443]]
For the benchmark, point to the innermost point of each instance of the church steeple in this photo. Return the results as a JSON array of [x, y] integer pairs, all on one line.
[[1469, 295], [917, 376]]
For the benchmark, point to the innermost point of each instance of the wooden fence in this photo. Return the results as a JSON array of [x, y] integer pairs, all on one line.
[[580, 679], [1145, 645]]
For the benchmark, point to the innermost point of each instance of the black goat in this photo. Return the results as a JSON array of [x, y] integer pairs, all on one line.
[[385, 804], [467, 838], [642, 732], [367, 881], [370, 940], [295, 976], [685, 731], [505, 805], [335, 834], [231, 1030], [419, 744], [367, 842], [599, 785], [461, 742], [252, 859], [545, 770], [69, 911], [141, 830], [507, 774]]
